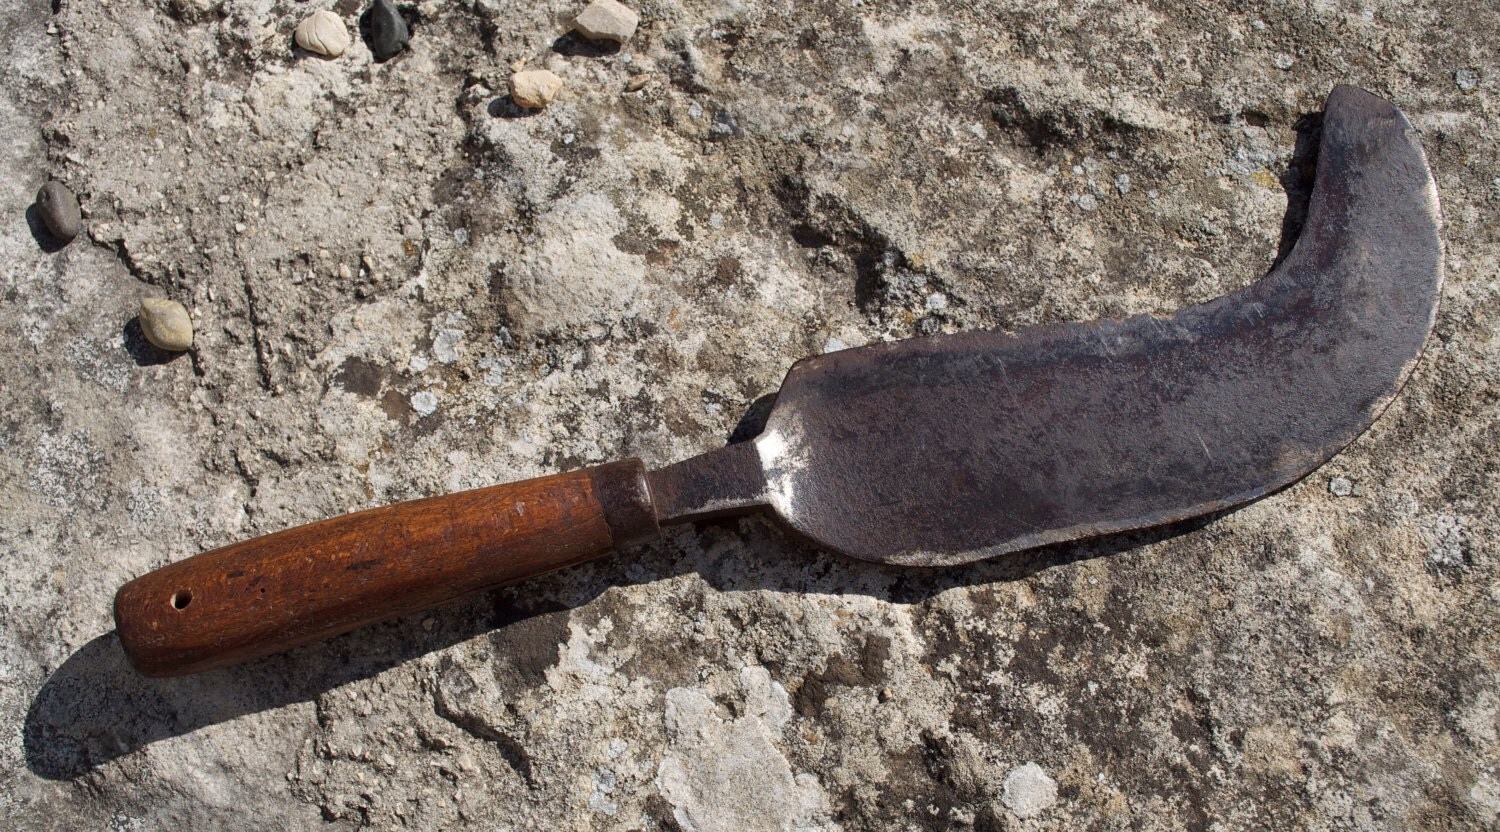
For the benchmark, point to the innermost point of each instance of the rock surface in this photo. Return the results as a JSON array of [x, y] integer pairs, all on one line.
[[633, 273], [323, 33]]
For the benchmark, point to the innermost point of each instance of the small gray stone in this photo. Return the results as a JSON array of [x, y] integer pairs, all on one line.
[[1340, 487], [607, 20], [59, 210], [388, 31], [165, 324], [1466, 79]]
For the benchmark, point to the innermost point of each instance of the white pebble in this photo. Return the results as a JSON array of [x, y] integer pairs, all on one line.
[[323, 33], [1466, 79], [1029, 791], [1340, 487], [607, 20], [534, 88], [937, 301], [1087, 202], [1122, 183], [1284, 61]]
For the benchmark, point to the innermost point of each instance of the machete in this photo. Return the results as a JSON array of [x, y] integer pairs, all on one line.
[[928, 451]]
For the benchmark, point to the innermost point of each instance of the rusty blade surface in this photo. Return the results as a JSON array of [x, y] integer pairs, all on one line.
[[952, 448]]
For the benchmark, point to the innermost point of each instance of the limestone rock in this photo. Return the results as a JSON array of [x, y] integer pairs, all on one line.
[[534, 88], [166, 324], [607, 20], [323, 33]]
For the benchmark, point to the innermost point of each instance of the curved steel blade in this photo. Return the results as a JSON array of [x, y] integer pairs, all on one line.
[[953, 448]]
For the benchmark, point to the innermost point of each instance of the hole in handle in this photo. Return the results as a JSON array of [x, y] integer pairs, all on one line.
[[181, 598]]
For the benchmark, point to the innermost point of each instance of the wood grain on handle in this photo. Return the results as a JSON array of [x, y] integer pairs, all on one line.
[[273, 593]]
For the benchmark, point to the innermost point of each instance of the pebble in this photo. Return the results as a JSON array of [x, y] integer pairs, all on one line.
[[607, 20], [59, 210], [1340, 487], [534, 88], [638, 83], [1466, 79], [165, 323], [388, 32], [323, 33]]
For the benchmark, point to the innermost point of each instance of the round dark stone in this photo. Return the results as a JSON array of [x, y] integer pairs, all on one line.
[[59, 211]]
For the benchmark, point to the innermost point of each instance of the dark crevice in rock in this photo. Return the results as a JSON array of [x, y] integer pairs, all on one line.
[[1050, 124]]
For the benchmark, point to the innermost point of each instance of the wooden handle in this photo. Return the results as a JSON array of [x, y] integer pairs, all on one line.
[[273, 593]]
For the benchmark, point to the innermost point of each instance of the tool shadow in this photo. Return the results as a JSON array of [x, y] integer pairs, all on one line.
[[95, 708]]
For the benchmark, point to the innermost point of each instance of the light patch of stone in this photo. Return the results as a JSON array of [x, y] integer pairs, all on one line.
[[1029, 791], [446, 339], [574, 273], [721, 773], [425, 402], [1450, 544]]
